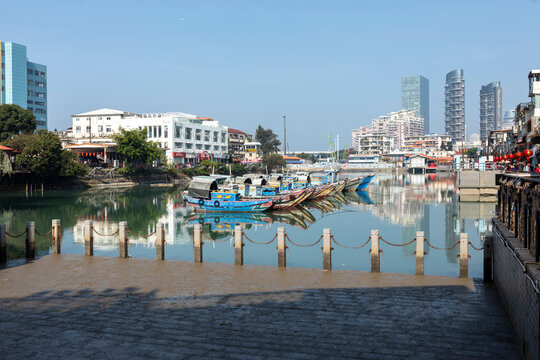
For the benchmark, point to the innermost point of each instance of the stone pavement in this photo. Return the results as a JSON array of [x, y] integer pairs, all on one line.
[[76, 307]]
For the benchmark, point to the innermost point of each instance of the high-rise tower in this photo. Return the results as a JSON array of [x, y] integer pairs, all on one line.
[[23, 83], [415, 96], [454, 105], [490, 108]]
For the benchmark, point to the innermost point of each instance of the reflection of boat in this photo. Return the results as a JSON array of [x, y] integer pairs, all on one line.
[[359, 197]]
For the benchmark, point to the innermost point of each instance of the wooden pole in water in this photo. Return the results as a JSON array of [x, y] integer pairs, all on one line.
[[123, 242], [160, 242], [30, 240], [375, 259], [239, 245], [419, 253], [463, 255], [281, 247], [89, 238], [3, 244], [197, 243], [327, 250], [56, 236]]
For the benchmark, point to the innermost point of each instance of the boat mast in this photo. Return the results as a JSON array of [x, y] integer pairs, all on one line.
[[284, 135]]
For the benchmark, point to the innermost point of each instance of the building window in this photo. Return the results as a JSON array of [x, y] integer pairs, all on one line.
[[36, 72], [31, 102], [100, 118], [31, 109], [100, 128], [3, 77], [223, 135], [108, 129], [198, 146], [215, 136], [189, 146], [29, 71], [188, 133], [159, 131], [29, 82], [88, 129], [177, 131], [40, 103], [30, 93], [206, 147], [77, 129], [216, 148], [178, 145], [108, 118], [198, 134], [206, 135], [149, 132], [165, 131], [155, 131]]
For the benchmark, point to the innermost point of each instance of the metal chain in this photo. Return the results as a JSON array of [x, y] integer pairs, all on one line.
[[100, 234], [259, 243], [295, 244], [44, 235], [350, 247], [386, 242], [16, 236], [438, 248], [474, 247], [143, 236]]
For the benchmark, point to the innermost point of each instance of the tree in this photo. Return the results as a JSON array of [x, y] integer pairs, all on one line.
[[273, 161], [15, 120], [18, 142], [309, 157], [267, 138], [471, 152], [132, 146]]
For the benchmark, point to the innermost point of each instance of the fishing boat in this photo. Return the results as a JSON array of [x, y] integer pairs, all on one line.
[[359, 183], [296, 198], [204, 195]]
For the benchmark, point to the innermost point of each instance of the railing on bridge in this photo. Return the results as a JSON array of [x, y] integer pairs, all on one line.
[[519, 210], [123, 232]]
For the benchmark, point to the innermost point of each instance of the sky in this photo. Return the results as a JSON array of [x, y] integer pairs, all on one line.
[[329, 66]]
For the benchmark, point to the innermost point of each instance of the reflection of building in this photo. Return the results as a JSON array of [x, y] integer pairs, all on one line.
[[22, 82]]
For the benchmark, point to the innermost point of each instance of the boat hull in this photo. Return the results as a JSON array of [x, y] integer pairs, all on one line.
[[228, 206]]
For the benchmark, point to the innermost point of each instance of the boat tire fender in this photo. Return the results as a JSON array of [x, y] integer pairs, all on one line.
[[201, 202], [216, 203], [216, 220]]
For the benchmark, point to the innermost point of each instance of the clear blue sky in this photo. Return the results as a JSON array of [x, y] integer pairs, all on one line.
[[330, 66]]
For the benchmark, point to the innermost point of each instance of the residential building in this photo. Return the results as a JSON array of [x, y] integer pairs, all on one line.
[[370, 144], [454, 105], [185, 138], [253, 152], [490, 109], [415, 96], [430, 144], [23, 83], [237, 140]]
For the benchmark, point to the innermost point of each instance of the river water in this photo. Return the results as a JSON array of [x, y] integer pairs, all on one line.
[[397, 205]]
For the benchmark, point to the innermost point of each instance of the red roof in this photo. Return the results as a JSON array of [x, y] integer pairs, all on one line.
[[5, 148], [234, 131]]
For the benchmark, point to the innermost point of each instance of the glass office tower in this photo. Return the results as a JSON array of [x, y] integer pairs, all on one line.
[[454, 105], [490, 108], [415, 96], [24, 83]]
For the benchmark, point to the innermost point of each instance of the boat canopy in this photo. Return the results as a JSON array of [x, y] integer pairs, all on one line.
[[304, 178], [259, 182], [242, 180], [202, 187], [276, 177]]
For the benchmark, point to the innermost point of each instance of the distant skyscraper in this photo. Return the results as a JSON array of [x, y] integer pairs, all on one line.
[[490, 108], [24, 83], [415, 96], [508, 119], [454, 105]]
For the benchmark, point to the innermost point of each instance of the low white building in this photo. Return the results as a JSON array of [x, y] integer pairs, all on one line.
[[185, 138]]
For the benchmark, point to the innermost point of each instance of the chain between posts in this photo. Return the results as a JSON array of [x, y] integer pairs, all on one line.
[[438, 248], [295, 244], [206, 237], [389, 243], [474, 247], [259, 243], [143, 236], [44, 235], [16, 236], [350, 247], [100, 234]]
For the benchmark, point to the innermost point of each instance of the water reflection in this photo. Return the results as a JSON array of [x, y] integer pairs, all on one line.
[[396, 204]]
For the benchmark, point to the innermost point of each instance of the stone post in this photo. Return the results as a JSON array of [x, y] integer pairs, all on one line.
[[463, 255], [30, 240], [123, 242], [197, 243], [3, 244], [89, 238], [239, 245], [56, 236], [281, 248], [375, 259], [160, 242], [488, 259], [419, 253], [327, 250]]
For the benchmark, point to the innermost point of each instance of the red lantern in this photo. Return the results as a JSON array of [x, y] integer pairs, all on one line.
[[528, 152], [505, 157], [518, 154], [511, 156]]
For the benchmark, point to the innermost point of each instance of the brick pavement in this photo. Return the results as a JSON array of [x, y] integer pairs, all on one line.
[[69, 306]]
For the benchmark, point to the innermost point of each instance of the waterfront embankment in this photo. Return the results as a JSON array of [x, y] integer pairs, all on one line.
[[70, 306]]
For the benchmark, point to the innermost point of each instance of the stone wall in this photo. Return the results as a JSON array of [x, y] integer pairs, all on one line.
[[516, 287]]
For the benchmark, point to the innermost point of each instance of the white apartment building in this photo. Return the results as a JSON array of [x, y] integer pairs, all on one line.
[[185, 138]]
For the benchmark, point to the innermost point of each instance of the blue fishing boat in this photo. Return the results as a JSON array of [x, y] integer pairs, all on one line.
[[359, 183], [204, 195]]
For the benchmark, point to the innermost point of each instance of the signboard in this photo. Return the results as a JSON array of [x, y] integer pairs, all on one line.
[[179, 154]]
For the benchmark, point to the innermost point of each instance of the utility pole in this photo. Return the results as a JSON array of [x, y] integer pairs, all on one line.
[[284, 135]]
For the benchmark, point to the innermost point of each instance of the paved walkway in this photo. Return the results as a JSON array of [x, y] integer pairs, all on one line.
[[70, 306]]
